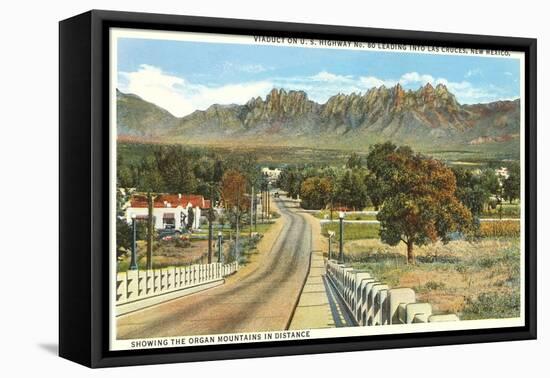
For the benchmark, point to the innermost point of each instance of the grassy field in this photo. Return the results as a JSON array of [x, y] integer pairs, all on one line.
[[353, 231], [508, 211], [336, 155], [325, 214], [477, 280]]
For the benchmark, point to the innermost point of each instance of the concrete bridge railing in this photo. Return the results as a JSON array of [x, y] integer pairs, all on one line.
[[373, 303], [136, 289]]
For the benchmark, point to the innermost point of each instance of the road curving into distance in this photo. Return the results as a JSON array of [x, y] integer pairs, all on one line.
[[263, 300]]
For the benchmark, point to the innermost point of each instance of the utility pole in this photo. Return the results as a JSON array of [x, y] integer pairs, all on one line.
[[341, 251], [262, 200], [268, 202], [210, 236], [251, 212], [133, 260], [150, 230], [255, 211], [220, 247], [237, 215]]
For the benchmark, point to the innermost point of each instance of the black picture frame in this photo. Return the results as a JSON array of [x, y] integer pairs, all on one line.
[[84, 187]]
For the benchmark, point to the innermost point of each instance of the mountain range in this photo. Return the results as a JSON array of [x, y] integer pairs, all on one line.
[[430, 116]]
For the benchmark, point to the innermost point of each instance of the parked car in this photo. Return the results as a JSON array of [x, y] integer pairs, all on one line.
[[169, 234]]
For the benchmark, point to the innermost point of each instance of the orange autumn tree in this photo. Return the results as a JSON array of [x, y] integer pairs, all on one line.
[[316, 192], [233, 189], [420, 205]]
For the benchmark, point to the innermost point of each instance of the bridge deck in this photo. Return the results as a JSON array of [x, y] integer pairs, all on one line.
[[319, 305]]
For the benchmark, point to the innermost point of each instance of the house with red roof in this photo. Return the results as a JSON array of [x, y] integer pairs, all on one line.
[[169, 210]]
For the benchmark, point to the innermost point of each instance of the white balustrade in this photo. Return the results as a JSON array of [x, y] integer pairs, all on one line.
[[134, 285], [372, 303]]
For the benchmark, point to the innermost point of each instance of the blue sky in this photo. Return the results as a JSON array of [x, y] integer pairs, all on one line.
[[185, 76]]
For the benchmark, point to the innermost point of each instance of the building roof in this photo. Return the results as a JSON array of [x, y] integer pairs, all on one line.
[[170, 200]]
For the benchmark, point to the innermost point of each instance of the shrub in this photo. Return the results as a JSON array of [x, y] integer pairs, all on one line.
[[434, 285], [182, 243], [492, 306], [274, 215]]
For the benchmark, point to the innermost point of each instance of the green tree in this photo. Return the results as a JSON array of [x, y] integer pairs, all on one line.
[[382, 168], [375, 190], [354, 161], [350, 190], [511, 185], [344, 191], [420, 206], [218, 170], [124, 236], [124, 174], [491, 183], [175, 165], [148, 177], [190, 217], [470, 190], [290, 181]]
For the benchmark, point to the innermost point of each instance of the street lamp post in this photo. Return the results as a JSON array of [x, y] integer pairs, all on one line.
[[220, 253], [330, 235], [237, 212], [341, 251], [133, 260]]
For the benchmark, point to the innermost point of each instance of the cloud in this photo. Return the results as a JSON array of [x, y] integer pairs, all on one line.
[[321, 86], [330, 77], [254, 68], [474, 72], [181, 97], [248, 68], [415, 77], [371, 81]]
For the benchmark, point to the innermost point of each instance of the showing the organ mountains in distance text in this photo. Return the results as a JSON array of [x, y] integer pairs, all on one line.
[[429, 117]]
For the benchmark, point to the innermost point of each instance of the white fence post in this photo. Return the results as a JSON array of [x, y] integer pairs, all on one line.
[[396, 297], [415, 309]]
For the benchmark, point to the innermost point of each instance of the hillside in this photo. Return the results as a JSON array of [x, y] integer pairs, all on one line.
[[426, 117]]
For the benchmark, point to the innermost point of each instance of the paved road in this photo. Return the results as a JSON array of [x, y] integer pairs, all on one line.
[[262, 301]]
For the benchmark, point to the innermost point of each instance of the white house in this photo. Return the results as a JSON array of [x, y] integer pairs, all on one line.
[[272, 174], [169, 210]]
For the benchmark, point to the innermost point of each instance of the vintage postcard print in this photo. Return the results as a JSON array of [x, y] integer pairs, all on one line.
[[266, 189]]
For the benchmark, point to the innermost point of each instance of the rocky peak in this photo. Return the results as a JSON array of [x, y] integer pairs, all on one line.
[[281, 102], [441, 88], [398, 96]]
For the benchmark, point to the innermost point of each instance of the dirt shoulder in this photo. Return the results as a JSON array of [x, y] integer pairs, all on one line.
[[319, 243], [262, 249]]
